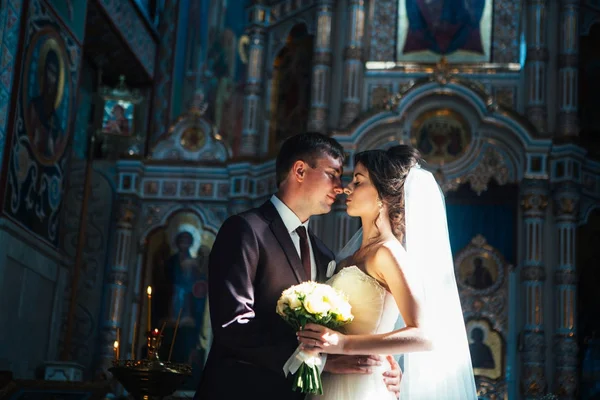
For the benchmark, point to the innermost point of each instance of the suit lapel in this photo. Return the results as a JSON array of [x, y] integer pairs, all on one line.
[[285, 241], [321, 259]]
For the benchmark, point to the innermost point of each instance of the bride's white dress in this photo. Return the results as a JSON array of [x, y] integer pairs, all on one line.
[[375, 311]]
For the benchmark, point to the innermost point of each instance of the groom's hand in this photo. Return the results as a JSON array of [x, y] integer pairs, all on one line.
[[340, 364], [393, 377]]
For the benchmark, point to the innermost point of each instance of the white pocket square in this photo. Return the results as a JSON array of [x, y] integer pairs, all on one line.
[[330, 268]]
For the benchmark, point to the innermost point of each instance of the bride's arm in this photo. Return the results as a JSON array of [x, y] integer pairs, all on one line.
[[403, 283]]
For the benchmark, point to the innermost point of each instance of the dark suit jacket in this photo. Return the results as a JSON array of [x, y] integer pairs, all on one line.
[[253, 260]]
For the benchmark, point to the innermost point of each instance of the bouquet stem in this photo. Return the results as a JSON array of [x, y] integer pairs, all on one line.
[[308, 379]]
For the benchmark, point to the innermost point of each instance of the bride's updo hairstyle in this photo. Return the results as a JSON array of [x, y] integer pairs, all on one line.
[[388, 170]]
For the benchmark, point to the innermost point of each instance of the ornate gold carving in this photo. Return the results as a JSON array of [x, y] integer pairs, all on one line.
[[442, 72], [566, 205], [490, 388], [566, 361], [492, 165], [193, 139], [126, 212], [534, 381], [441, 135], [534, 202]]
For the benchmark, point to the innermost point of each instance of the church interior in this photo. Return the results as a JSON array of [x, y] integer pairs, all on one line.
[[131, 129]]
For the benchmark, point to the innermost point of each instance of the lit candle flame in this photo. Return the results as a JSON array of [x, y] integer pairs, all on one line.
[[116, 349], [149, 291]]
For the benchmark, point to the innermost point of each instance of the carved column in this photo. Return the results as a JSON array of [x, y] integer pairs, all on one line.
[[115, 287], [135, 309], [568, 81], [566, 206], [353, 62], [534, 202], [252, 126], [537, 63], [321, 70]]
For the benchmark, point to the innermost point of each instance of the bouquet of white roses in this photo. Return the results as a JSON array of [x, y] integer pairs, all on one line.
[[320, 304]]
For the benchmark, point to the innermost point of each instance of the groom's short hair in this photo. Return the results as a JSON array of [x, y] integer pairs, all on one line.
[[308, 147]]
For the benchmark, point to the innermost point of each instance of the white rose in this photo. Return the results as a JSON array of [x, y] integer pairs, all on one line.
[[344, 311], [315, 304], [292, 300], [281, 306]]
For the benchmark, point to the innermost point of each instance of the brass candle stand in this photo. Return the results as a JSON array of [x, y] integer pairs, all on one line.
[[150, 378]]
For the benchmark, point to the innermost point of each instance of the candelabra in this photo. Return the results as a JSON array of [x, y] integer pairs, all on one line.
[[150, 378]]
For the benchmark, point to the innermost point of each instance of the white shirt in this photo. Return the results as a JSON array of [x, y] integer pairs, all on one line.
[[292, 222]]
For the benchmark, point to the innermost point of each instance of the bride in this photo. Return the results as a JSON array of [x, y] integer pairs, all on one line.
[[401, 261]]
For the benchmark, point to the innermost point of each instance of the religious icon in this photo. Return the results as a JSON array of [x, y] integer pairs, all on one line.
[[480, 278], [118, 117], [47, 96], [486, 347], [478, 272], [441, 135], [118, 111], [188, 276], [481, 353], [178, 273], [457, 29]]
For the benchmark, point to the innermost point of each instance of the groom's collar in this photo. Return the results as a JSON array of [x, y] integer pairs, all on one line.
[[290, 220]]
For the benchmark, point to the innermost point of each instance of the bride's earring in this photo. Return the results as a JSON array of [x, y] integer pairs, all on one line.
[[379, 203]]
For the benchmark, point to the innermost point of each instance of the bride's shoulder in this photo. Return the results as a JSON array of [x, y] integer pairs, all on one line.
[[394, 247], [390, 252]]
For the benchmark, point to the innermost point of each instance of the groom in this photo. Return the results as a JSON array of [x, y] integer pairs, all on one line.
[[258, 254]]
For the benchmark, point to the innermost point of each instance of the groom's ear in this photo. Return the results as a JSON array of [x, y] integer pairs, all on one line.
[[299, 170]]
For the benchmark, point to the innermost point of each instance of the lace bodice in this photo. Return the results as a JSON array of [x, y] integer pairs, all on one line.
[[373, 307]]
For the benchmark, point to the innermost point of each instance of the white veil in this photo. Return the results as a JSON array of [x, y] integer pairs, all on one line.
[[445, 372]]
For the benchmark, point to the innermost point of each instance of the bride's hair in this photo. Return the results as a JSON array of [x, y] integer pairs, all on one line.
[[388, 170]]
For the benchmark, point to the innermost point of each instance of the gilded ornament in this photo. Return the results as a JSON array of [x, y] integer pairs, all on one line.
[[534, 202], [566, 205], [193, 138], [441, 135]]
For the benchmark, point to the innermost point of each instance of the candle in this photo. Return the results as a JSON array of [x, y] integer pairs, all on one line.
[[116, 349], [149, 291], [174, 334], [133, 340]]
